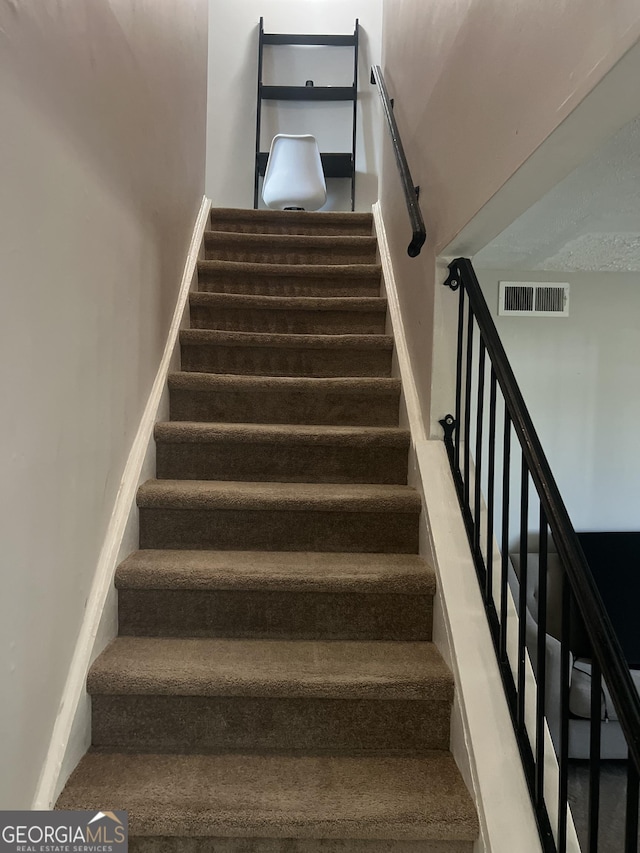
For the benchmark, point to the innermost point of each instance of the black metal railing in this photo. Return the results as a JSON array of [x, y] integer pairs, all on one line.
[[411, 192], [511, 505]]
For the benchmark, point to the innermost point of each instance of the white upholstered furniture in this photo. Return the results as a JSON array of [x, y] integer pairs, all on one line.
[[294, 178]]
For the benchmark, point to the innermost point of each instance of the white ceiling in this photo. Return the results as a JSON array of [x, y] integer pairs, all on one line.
[[589, 222]]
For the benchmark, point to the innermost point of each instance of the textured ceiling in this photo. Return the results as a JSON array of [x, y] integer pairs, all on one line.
[[589, 222]]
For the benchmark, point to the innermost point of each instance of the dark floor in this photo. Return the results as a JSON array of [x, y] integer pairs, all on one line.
[[613, 804]]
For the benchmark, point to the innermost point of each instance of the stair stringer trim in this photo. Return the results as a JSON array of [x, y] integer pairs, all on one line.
[[71, 736], [482, 739]]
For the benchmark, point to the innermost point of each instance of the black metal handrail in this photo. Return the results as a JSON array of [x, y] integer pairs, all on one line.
[[411, 192], [578, 584]]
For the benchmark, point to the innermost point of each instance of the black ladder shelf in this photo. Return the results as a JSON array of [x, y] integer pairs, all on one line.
[[341, 164]]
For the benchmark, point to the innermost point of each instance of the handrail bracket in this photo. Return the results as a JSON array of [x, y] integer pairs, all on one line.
[[453, 279]]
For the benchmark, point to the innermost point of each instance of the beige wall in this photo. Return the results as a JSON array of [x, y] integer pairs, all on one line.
[[101, 177], [478, 87], [233, 59]]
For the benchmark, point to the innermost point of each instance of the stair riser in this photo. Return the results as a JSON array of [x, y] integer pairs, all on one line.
[[291, 322], [204, 724], [285, 530], [281, 463], [296, 255], [275, 285], [285, 407], [274, 615], [181, 844], [285, 361]]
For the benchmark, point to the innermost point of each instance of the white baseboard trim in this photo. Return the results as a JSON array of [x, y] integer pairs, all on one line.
[[482, 739], [71, 733]]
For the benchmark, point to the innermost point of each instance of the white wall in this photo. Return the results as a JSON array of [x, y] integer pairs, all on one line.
[[580, 379], [233, 59], [102, 173], [478, 87]]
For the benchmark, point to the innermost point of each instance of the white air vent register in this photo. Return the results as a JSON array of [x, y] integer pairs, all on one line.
[[533, 299]]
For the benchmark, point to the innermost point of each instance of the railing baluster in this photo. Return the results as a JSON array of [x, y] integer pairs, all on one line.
[[522, 602], [631, 823], [458, 410], [467, 405], [594, 755], [477, 496], [565, 675], [541, 655], [504, 576], [491, 471]]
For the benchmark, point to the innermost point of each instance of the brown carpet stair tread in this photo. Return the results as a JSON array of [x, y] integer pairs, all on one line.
[[288, 303], [216, 844], [274, 276], [335, 669], [279, 796], [320, 314], [401, 574], [352, 385], [298, 271], [246, 398], [290, 242], [290, 222], [214, 337], [324, 497], [197, 432]]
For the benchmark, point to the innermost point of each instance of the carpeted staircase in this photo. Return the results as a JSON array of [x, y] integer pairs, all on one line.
[[273, 688]]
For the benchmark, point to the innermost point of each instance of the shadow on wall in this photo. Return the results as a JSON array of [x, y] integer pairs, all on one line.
[[371, 124], [235, 121]]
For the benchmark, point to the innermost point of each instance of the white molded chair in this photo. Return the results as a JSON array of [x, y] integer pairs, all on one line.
[[294, 178]]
